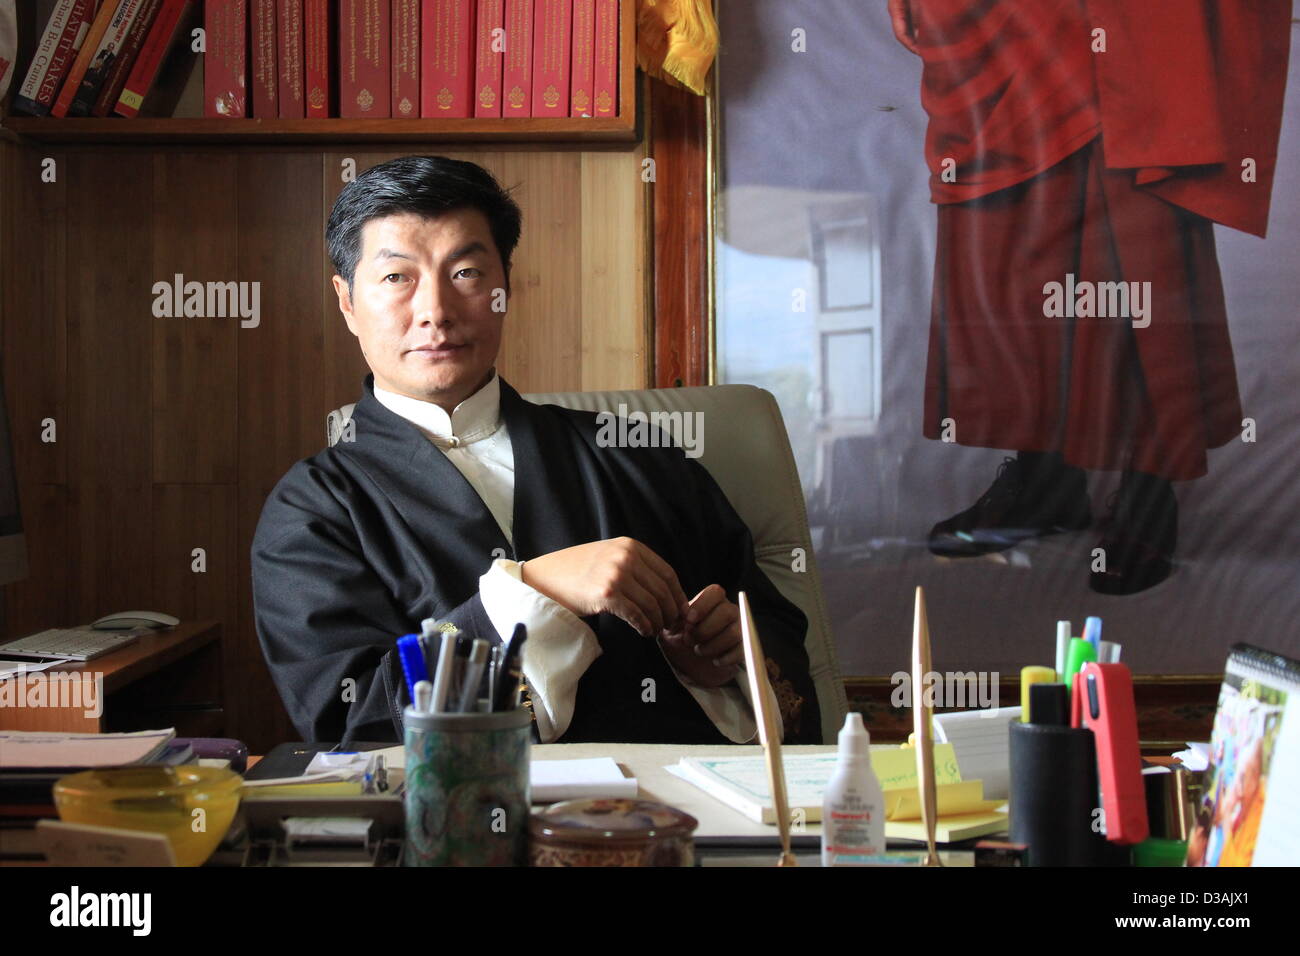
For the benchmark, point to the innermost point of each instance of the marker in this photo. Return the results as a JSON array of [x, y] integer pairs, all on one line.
[[1062, 647], [1080, 653], [478, 655], [412, 657], [511, 671], [442, 679], [1108, 652], [1092, 633], [1029, 676]]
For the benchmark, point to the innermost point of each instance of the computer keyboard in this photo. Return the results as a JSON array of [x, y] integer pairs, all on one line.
[[72, 643]]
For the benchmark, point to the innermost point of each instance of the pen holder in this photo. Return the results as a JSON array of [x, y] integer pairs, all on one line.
[[466, 796], [1054, 799]]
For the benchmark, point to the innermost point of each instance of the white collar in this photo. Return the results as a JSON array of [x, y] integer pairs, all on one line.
[[475, 418]]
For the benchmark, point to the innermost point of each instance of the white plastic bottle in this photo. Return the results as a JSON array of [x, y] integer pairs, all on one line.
[[853, 807]]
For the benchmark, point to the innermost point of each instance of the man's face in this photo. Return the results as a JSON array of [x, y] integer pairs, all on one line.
[[421, 304]]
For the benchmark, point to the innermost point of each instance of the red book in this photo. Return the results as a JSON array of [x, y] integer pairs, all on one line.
[[405, 57], [552, 27], [225, 65], [130, 50], [77, 72], [517, 75], [165, 31], [605, 66], [264, 76], [489, 53], [289, 45], [364, 89], [583, 58], [59, 46], [447, 57], [319, 51]]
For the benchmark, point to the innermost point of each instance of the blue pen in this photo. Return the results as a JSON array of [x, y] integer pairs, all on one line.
[[1092, 633], [408, 649]]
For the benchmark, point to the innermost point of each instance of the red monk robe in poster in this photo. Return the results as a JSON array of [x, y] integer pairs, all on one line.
[[1074, 146]]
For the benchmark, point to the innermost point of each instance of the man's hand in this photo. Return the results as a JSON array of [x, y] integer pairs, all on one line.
[[708, 648], [900, 15], [619, 576]]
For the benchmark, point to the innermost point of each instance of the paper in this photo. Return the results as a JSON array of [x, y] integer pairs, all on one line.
[[9, 668], [37, 750], [1196, 757], [982, 741], [952, 799], [552, 780]]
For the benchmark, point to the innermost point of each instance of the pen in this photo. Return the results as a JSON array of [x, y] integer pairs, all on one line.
[[510, 672], [478, 656], [442, 678], [423, 695], [1062, 646]]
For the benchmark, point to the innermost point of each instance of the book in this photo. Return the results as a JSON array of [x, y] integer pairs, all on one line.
[[289, 48], [364, 78], [263, 71], [64, 33], [489, 55], [318, 51], [225, 66], [583, 58], [109, 51], [1248, 811], [742, 784], [76, 72], [552, 28], [404, 55], [165, 66], [447, 57], [517, 69], [130, 51], [605, 60]]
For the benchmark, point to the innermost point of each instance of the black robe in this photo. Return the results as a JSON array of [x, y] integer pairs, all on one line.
[[360, 542]]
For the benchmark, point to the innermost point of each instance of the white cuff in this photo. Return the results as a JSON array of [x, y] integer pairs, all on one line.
[[730, 707], [560, 645]]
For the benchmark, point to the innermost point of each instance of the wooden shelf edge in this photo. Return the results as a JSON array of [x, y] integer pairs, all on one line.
[[621, 129]]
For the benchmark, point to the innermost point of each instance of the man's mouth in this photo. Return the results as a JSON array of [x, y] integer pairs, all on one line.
[[439, 349]]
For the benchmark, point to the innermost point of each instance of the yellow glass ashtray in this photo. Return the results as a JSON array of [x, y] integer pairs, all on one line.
[[192, 806]]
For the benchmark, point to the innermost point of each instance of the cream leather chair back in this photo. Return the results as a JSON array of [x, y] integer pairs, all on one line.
[[747, 451]]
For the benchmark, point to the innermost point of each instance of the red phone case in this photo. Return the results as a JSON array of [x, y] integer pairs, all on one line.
[[1103, 702]]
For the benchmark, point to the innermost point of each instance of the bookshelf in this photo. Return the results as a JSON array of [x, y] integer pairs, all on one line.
[[582, 133]]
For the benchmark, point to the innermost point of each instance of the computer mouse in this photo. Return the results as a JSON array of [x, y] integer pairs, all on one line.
[[127, 620]]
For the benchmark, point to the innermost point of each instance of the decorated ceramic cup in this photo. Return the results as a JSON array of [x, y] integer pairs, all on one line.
[[466, 795]]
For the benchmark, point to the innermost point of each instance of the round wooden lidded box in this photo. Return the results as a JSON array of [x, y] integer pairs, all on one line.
[[611, 832]]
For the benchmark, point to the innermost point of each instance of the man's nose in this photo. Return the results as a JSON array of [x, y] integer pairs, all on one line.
[[433, 303]]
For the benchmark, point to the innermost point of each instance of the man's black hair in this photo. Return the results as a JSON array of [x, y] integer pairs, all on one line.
[[427, 186]]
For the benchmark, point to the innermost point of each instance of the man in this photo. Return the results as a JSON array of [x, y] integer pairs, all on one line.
[[460, 501], [1089, 146]]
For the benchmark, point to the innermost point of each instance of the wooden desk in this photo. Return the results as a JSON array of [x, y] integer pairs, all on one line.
[[167, 678]]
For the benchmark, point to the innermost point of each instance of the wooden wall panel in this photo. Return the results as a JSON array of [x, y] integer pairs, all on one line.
[[541, 345], [282, 397], [195, 235], [110, 374], [615, 343], [34, 290]]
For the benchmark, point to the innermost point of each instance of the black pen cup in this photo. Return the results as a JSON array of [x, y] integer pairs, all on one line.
[[466, 796], [1054, 804]]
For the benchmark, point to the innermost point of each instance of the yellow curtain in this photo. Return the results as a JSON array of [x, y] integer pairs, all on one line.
[[676, 41]]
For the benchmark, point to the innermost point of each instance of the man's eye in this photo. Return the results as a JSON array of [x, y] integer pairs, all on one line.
[[393, 275], [476, 272]]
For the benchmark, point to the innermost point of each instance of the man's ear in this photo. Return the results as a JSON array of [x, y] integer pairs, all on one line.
[[345, 302]]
